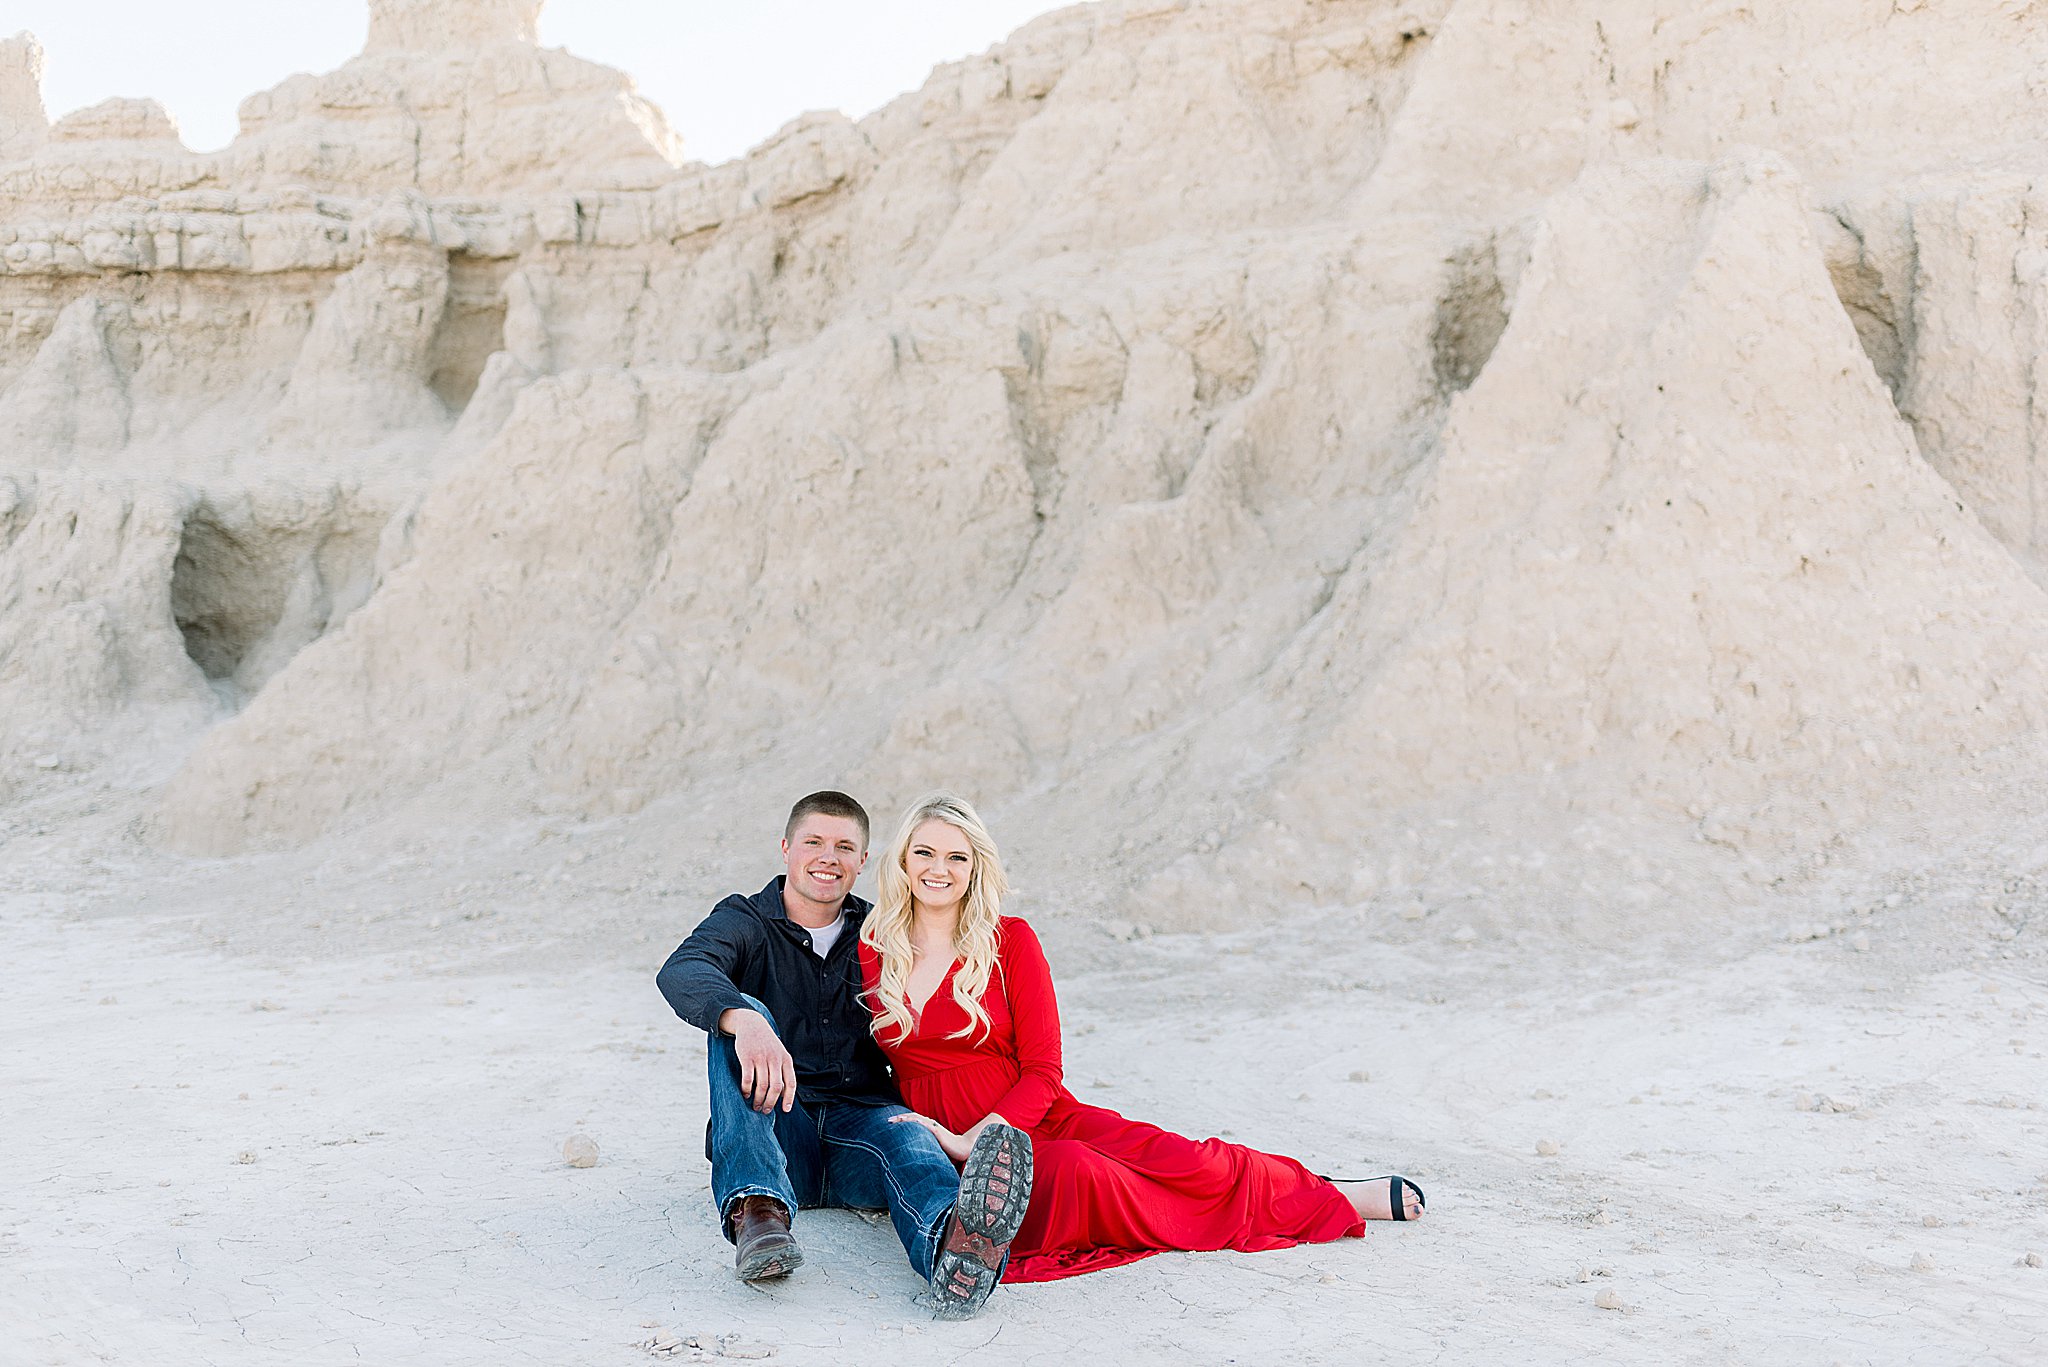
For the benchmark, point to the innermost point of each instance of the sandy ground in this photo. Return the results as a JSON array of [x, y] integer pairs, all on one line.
[[254, 1148]]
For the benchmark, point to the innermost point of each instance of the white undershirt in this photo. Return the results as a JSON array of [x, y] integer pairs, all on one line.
[[824, 937]]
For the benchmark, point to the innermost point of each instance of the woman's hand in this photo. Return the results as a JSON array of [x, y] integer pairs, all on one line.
[[955, 1145]]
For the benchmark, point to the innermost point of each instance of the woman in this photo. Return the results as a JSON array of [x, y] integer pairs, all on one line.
[[963, 1007]]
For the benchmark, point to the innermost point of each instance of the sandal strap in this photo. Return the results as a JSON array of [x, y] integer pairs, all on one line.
[[1395, 1183]]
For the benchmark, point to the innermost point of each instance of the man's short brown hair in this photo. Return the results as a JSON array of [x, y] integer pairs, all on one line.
[[827, 803]]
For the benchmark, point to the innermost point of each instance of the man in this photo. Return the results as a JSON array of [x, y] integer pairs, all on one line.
[[802, 1104]]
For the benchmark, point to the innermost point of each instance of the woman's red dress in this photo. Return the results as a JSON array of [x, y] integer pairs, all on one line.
[[1105, 1190]]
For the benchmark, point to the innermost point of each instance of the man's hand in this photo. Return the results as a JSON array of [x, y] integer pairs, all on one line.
[[767, 1072]]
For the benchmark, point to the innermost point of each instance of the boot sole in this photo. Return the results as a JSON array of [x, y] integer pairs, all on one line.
[[769, 1263], [995, 1191]]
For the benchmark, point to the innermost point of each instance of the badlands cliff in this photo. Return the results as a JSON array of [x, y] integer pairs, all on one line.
[[1262, 449]]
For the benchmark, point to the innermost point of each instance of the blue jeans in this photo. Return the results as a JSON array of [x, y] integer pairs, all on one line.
[[827, 1154]]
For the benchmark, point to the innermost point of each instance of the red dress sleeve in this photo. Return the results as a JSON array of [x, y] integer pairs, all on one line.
[[1035, 1016]]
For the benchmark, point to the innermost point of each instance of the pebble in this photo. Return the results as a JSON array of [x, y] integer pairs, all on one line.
[[245, 1157], [1414, 911], [1610, 1299], [667, 1345], [1360, 1075], [1922, 1263], [2031, 1260], [1931, 1221], [580, 1151], [1548, 1148], [1464, 935]]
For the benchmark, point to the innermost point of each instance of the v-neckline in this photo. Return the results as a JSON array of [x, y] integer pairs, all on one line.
[[917, 1009]]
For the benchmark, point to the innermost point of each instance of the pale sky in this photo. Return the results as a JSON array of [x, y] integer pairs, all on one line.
[[727, 72]]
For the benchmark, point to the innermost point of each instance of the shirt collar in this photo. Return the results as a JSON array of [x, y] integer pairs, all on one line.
[[768, 901]]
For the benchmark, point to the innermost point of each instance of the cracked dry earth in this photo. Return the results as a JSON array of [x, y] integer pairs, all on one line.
[[1766, 1152]]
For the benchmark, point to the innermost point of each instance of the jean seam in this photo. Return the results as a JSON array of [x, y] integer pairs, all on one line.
[[930, 1233], [895, 1187]]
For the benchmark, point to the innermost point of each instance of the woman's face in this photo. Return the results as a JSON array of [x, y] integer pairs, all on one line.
[[940, 862]]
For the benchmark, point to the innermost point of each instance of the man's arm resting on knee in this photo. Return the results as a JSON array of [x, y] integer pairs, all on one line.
[[699, 980]]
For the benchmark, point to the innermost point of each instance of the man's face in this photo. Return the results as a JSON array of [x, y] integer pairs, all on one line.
[[823, 855]]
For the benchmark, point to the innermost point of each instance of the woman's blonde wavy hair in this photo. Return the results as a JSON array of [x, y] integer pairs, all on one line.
[[887, 930]]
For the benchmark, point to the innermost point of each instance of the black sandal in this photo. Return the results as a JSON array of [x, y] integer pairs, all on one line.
[[1395, 1201]]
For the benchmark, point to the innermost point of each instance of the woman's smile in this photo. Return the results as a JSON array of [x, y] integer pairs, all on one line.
[[940, 862]]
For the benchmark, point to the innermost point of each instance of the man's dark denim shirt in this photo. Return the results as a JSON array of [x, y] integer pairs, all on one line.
[[748, 944]]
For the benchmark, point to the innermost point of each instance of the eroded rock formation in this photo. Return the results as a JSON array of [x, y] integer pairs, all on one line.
[[1241, 442], [23, 123]]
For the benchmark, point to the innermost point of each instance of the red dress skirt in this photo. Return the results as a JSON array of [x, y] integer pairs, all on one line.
[[1105, 1190]]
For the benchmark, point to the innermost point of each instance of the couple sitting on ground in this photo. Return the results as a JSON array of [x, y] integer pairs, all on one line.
[[821, 1008]]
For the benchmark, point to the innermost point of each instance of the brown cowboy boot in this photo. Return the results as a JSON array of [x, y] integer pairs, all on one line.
[[763, 1247]]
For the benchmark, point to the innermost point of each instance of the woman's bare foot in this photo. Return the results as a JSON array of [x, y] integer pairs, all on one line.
[[1373, 1198]]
